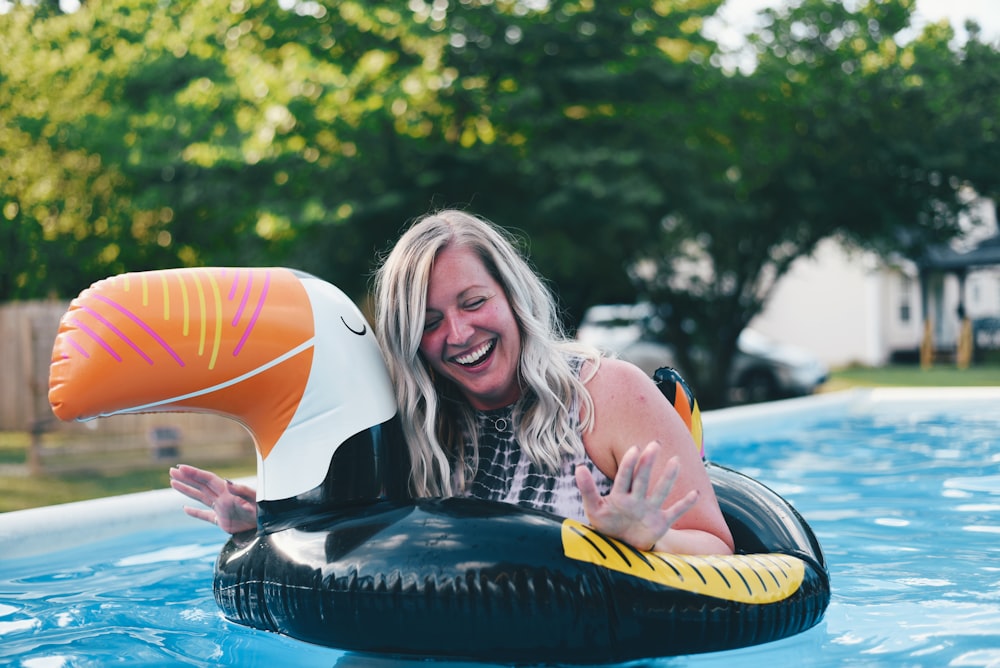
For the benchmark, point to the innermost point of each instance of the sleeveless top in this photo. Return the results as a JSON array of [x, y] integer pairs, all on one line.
[[508, 475]]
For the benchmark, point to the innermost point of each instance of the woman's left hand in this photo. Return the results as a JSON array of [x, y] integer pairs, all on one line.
[[230, 505], [633, 510]]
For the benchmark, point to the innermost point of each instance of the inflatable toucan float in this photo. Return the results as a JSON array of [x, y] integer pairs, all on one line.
[[344, 555]]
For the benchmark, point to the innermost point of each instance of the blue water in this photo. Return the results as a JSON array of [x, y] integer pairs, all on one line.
[[907, 508]]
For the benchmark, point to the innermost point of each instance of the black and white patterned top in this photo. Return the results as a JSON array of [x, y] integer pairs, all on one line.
[[506, 474]]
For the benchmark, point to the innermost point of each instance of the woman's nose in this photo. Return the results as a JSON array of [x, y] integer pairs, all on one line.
[[459, 331]]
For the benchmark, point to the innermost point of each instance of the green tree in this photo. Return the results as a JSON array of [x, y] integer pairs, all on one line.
[[139, 135], [208, 133], [835, 133], [964, 137], [561, 122], [248, 134], [57, 198]]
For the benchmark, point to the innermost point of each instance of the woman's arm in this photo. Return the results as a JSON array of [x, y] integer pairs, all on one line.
[[230, 505], [661, 497]]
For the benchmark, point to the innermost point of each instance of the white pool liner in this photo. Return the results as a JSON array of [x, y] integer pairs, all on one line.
[[25, 533]]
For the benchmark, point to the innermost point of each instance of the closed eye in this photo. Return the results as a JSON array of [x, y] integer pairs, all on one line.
[[474, 304]]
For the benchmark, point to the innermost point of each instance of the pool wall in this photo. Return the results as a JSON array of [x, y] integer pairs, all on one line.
[[734, 423], [25, 533]]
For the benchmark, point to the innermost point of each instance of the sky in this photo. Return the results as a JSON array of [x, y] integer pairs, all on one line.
[[985, 12], [737, 17]]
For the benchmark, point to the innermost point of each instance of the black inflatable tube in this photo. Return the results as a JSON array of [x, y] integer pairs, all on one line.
[[468, 579]]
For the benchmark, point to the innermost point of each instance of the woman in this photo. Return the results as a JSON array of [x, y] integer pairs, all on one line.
[[496, 403]]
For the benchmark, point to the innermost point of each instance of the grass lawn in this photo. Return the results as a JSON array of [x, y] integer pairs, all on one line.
[[22, 490], [25, 491], [912, 376]]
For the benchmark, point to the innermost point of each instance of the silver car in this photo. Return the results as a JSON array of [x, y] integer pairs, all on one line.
[[762, 369]]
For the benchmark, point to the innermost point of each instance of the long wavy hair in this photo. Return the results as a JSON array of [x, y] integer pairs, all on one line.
[[554, 409]]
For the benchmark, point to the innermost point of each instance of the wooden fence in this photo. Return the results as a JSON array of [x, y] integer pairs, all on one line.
[[27, 333]]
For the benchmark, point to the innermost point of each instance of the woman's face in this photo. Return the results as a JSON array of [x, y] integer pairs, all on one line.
[[470, 334]]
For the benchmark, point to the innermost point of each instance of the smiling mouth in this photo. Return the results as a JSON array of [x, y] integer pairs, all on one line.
[[476, 356]]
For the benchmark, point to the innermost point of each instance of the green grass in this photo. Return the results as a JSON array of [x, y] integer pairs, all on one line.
[[13, 448], [913, 376], [25, 491]]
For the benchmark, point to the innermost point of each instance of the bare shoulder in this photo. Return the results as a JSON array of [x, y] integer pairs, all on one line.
[[616, 380], [629, 409]]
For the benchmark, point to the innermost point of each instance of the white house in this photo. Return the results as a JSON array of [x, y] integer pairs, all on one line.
[[849, 306]]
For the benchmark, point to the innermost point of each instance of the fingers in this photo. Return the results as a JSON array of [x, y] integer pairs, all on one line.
[[209, 484], [192, 478], [245, 492], [230, 505], [643, 472], [626, 471], [674, 512], [634, 509], [206, 487], [195, 493], [193, 475], [588, 490], [635, 471], [201, 514], [665, 482]]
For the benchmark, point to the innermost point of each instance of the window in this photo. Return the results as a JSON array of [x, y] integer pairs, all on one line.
[[904, 299]]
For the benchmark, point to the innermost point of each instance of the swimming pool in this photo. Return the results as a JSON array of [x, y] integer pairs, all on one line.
[[901, 486]]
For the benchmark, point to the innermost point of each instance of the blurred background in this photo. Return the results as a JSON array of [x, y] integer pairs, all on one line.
[[775, 198]]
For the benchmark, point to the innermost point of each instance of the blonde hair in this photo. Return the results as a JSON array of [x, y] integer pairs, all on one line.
[[554, 409]]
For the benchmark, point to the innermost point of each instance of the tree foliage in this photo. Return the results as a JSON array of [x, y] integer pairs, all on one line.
[[837, 132], [140, 135], [249, 134]]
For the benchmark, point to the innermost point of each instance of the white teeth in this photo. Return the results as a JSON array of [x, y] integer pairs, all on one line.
[[476, 355]]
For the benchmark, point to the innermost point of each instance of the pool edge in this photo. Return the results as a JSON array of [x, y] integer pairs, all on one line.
[[35, 531]]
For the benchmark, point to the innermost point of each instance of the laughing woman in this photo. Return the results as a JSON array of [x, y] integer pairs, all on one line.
[[497, 403]]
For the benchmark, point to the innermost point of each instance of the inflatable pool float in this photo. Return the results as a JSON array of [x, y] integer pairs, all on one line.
[[344, 556]]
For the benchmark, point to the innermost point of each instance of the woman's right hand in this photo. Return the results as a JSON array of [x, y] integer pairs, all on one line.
[[230, 505], [633, 511]]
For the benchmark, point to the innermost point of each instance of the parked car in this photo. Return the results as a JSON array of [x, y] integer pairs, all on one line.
[[762, 369]]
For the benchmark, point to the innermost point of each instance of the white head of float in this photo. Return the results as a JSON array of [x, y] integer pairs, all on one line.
[[347, 391], [236, 342]]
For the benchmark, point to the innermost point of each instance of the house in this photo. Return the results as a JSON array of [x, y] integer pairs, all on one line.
[[851, 307]]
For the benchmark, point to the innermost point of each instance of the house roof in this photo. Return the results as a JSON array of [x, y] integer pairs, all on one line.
[[944, 258]]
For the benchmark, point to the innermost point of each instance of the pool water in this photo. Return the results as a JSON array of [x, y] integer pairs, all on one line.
[[904, 496]]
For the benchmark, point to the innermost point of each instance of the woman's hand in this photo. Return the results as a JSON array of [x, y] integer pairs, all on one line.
[[231, 506], [633, 510]]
